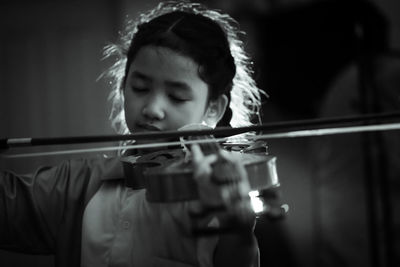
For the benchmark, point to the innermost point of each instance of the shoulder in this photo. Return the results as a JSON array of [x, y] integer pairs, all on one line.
[[97, 167], [75, 178]]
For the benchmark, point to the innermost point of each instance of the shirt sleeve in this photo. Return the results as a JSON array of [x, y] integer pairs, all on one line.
[[38, 210]]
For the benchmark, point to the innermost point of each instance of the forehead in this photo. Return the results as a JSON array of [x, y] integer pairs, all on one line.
[[162, 63]]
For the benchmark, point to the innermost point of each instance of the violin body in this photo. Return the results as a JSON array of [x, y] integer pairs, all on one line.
[[168, 175]]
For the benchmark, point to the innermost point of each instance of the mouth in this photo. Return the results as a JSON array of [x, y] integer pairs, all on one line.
[[146, 127]]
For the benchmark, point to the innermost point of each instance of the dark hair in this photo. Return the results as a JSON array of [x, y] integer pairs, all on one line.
[[197, 37], [209, 37]]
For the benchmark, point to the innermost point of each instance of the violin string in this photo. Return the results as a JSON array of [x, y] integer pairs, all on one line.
[[290, 134]]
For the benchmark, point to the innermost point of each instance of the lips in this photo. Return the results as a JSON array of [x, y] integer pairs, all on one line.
[[147, 127]]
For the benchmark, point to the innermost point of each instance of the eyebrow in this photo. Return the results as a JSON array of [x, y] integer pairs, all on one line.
[[178, 85], [141, 76], [175, 84]]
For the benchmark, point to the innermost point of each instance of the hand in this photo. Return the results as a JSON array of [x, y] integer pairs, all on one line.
[[223, 189]]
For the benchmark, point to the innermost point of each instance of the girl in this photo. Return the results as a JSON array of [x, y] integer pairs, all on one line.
[[179, 64]]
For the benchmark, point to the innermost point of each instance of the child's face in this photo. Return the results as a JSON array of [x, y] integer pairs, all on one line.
[[163, 91]]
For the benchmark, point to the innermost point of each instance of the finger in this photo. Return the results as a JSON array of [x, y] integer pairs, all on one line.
[[202, 170], [241, 214], [230, 156], [232, 174], [235, 218], [197, 154], [235, 192], [202, 164], [243, 184]]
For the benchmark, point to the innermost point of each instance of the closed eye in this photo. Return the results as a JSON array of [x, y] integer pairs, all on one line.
[[138, 89], [178, 99]]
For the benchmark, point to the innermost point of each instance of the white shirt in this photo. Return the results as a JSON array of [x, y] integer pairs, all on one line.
[[121, 228]]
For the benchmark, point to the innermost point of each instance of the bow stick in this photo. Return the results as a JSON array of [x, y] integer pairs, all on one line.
[[291, 129]]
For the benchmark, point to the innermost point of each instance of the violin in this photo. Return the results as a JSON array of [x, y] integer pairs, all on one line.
[[167, 175]]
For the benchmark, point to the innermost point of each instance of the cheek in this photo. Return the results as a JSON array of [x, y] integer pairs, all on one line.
[[131, 109], [191, 114]]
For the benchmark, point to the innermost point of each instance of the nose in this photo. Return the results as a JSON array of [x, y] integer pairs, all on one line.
[[153, 109]]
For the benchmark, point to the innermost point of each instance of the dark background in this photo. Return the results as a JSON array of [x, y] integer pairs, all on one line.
[[342, 191]]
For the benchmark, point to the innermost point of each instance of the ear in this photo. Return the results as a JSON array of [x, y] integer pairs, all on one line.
[[215, 110]]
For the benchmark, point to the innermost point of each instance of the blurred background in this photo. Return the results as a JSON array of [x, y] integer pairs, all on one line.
[[314, 58]]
